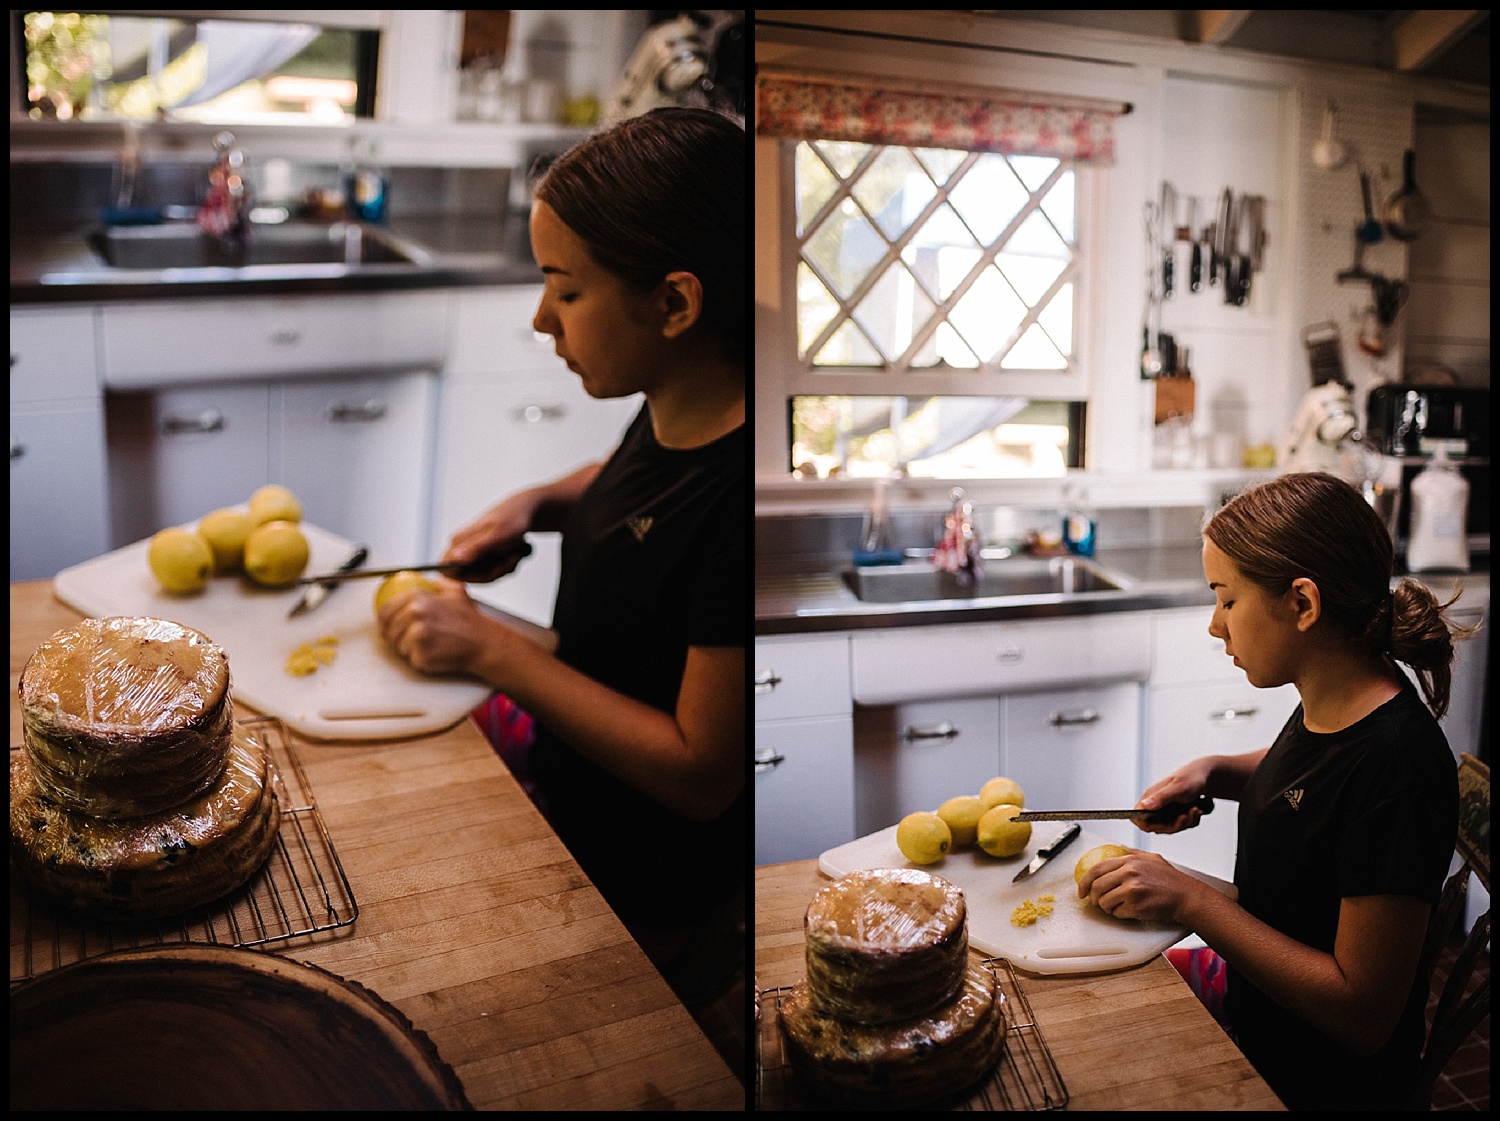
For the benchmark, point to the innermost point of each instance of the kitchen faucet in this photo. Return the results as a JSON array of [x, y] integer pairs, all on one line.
[[225, 213]]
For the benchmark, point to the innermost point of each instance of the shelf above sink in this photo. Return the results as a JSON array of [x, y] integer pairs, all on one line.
[[918, 583]]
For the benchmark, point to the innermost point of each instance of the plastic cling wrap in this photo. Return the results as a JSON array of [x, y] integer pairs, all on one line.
[[126, 716], [886, 944]]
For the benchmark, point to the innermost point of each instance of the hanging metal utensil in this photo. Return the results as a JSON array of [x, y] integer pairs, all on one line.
[[1168, 219], [1195, 259], [1370, 229], [1408, 212]]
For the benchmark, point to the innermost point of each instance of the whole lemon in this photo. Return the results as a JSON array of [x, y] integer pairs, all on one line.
[[180, 560], [1001, 791], [962, 815], [274, 503], [923, 837], [275, 554], [225, 531], [1000, 834], [1094, 855], [399, 584]]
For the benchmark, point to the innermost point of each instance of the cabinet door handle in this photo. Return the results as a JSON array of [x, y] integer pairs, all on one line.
[[942, 731], [1075, 719], [286, 336], [1009, 655], [1229, 714], [350, 412], [766, 682], [17, 450], [535, 414], [209, 420], [767, 759]]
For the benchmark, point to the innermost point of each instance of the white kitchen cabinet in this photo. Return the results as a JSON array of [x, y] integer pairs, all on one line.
[[512, 416], [916, 756], [1199, 703], [804, 747], [59, 513], [356, 452], [1075, 749]]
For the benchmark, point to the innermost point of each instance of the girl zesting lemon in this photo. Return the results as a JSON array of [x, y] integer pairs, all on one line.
[[639, 758], [1347, 822]]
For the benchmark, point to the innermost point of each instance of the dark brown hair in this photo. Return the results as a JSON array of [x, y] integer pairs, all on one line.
[[660, 193], [1317, 526]]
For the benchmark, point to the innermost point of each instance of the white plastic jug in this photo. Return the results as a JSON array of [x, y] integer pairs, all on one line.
[[1439, 507]]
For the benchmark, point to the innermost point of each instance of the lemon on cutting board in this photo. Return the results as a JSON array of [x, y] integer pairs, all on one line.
[[1094, 856], [962, 814], [1001, 791], [275, 554], [274, 503], [923, 837], [401, 583], [181, 560], [225, 531], [1000, 834]]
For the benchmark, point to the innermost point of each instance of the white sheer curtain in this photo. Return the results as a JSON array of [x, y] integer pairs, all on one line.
[[237, 52]]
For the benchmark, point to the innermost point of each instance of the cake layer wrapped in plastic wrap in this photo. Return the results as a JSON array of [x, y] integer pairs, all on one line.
[[127, 715], [886, 944]]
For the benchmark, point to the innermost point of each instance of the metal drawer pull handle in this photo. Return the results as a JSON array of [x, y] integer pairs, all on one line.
[[943, 731], [342, 412], [17, 450], [767, 759], [1009, 655], [1234, 714], [209, 420], [286, 336], [766, 681], [1074, 719], [535, 414]]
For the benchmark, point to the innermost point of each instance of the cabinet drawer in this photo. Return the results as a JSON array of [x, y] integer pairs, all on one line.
[[919, 663], [804, 788], [1183, 651], [52, 355], [801, 677], [1076, 749], [916, 756], [157, 344], [492, 332]]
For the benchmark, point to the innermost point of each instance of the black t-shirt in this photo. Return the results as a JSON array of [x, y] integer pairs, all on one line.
[[653, 562], [1369, 810]]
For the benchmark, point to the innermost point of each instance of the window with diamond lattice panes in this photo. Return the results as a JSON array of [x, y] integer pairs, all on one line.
[[929, 258]]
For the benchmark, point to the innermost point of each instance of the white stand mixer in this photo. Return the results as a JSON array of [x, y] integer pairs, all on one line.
[[1324, 420]]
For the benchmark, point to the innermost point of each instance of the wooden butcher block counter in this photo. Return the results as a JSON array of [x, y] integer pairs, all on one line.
[[1132, 1039], [476, 923]]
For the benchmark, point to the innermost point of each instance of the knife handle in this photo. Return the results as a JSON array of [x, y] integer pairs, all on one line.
[[356, 559], [1062, 842]]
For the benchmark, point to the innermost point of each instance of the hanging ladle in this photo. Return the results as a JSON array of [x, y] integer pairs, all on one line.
[[1407, 213], [1369, 230]]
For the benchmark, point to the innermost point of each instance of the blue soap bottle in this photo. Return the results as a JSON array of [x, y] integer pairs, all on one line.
[[1080, 527]]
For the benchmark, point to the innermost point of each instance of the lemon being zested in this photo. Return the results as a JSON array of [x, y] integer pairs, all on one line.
[[180, 560], [275, 554], [962, 816], [923, 837], [274, 503], [1094, 855], [399, 584], [1000, 834]]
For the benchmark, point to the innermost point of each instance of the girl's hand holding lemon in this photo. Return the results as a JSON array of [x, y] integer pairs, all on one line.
[[1128, 884]]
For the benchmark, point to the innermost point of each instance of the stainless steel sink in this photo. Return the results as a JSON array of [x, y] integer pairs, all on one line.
[[914, 583], [181, 245]]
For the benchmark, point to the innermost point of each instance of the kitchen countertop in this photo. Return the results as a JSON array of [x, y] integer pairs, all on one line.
[[805, 596], [56, 265], [1133, 1039], [475, 922]]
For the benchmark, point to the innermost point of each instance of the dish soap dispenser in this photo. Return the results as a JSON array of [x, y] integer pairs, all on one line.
[[1080, 527], [1439, 507]]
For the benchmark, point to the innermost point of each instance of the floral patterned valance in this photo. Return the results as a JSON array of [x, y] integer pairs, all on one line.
[[911, 114]]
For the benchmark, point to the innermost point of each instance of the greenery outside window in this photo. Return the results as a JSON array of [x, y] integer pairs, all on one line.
[[106, 67]]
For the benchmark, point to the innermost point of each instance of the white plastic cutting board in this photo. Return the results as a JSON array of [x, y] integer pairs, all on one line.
[[367, 693], [1076, 938]]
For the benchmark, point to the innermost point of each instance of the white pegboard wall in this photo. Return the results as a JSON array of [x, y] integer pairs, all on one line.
[[1376, 128]]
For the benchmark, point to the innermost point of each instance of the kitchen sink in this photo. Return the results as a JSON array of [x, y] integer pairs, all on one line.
[[182, 245], [1045, 576]]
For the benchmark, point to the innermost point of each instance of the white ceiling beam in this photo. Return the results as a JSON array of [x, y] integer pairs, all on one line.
[[1425, 34], [1217, 25]]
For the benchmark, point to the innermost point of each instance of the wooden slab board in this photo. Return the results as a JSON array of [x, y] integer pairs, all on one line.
[[1076, 938], [367, 693]]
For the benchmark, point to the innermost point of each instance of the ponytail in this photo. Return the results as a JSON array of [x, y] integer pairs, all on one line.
[[1421, 636]]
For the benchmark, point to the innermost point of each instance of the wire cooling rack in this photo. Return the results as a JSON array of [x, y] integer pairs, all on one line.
[[1025, 1078], [301, 889]]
